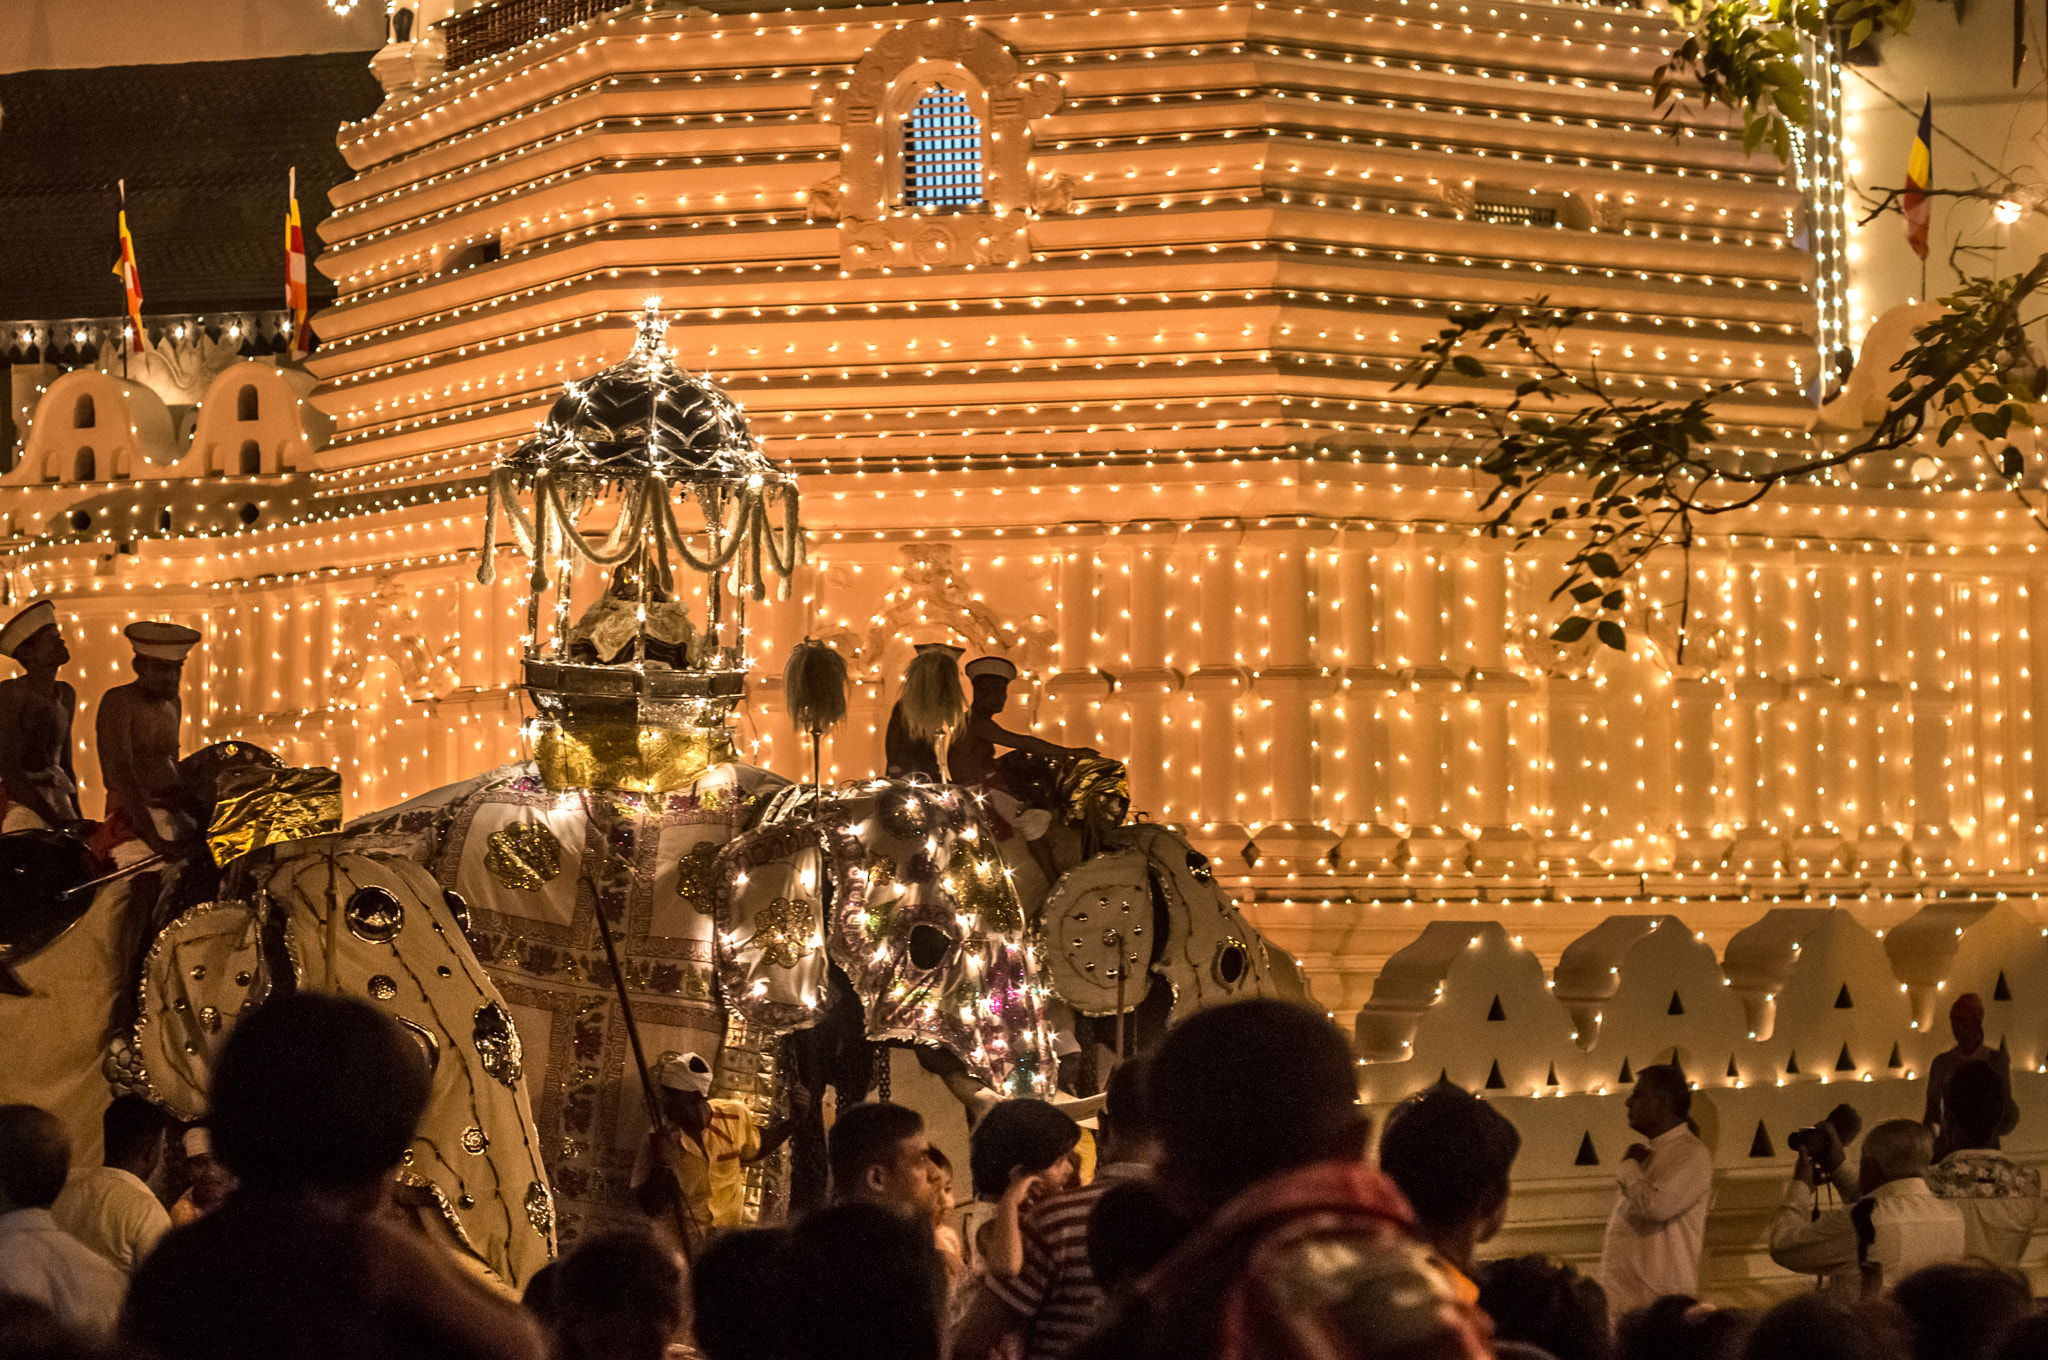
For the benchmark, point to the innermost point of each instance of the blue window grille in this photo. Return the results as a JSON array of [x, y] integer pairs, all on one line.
[[941, 151]]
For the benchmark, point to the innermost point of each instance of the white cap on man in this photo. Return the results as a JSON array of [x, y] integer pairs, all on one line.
[[685, 1072], [25, 625], [161, 641], [198, 1142], [991, 665]]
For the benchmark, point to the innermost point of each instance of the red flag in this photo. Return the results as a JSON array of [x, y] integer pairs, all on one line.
[[1919, 179], [295, 273], [130, 276]]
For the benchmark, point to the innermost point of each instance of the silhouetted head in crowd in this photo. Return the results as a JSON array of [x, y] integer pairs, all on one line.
[[1127, 1130], [1966, 1022], [1027, 1137], [878, 1153], [2027, 1339], [30, 1331], [316, 1091], [1546, 1303], [1451, 1153], [1677, 1327], [1958, 1311], [1973, 1106], [740, 1294], [872, 1286], [1819, 1327], [617, 1296], [35, 1157], [1895, 1150], [1660, 1100], [1246, 1091], [1130, 1230], [132, 1135]]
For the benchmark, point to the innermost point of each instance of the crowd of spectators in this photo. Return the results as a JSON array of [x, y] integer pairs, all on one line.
[[1239, 1209]]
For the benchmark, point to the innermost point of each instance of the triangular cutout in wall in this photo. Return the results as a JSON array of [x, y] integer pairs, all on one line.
[[1792, 1064], [1494, 1012], [1628, 1076], [1842, 1001], [1552, 1081], [2001, 992], [1587, 1156], [1494, 1080], [1676, 1007], [1896, 1061], [1734, 1072], [1845, 1063], [1760, 1146]]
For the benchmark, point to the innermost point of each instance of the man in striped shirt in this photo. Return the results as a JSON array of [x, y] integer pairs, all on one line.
[[1055, 1299]]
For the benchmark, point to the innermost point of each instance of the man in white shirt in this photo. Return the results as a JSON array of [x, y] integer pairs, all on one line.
[[110, 1207], [39, 1260], [1897, 1227], [1660, 1217], [2000, 1199]]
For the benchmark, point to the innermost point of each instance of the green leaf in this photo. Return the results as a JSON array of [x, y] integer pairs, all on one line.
[[1990, 393], [1948, 429], [1571, 630], [1601, 564], [1614, 600], [1468, 366], [1991, 424], [1585, 590], [1860, 32], [1613, 635]]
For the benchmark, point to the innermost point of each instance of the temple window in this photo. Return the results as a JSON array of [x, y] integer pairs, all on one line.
[[83, 417], [85, 467], [251, 458], [941, 151], [246, 402]]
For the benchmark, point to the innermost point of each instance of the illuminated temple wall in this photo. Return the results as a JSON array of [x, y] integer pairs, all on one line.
[[1132, 423]]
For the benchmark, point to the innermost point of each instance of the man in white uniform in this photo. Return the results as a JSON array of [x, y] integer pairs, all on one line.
[[1660, 1217]]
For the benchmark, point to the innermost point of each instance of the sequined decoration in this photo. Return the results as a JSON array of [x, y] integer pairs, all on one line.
[[382, 988], [783, 932], [904, 814], [693, 876], [497, 1043], [540, 1209], [474, 1141], [980, 890], [523, 856]]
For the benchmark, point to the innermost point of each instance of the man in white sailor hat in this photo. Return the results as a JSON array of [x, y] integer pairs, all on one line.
[[138, 745], [972, 756], [36, 710], [698, 1155]]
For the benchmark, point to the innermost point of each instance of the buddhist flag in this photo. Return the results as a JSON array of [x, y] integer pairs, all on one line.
[[295, 272], [1919, 179], [130, 276]]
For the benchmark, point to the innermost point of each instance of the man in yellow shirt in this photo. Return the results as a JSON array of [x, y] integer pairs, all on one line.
[[698, 1155]]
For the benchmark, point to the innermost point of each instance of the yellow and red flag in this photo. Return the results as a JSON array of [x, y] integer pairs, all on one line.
[[295, 272], [130, 276], [1919, 179]]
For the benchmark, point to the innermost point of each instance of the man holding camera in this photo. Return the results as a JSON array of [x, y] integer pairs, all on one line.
[[1896, 1226]]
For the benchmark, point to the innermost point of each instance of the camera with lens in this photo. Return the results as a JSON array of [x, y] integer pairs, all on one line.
[[1843, 1119]]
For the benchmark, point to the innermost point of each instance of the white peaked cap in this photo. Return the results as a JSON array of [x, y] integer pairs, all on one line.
[[160, 640], [25, 625]]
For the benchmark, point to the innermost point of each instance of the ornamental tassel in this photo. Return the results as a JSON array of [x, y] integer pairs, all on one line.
[[814, 690], [932, 701]]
